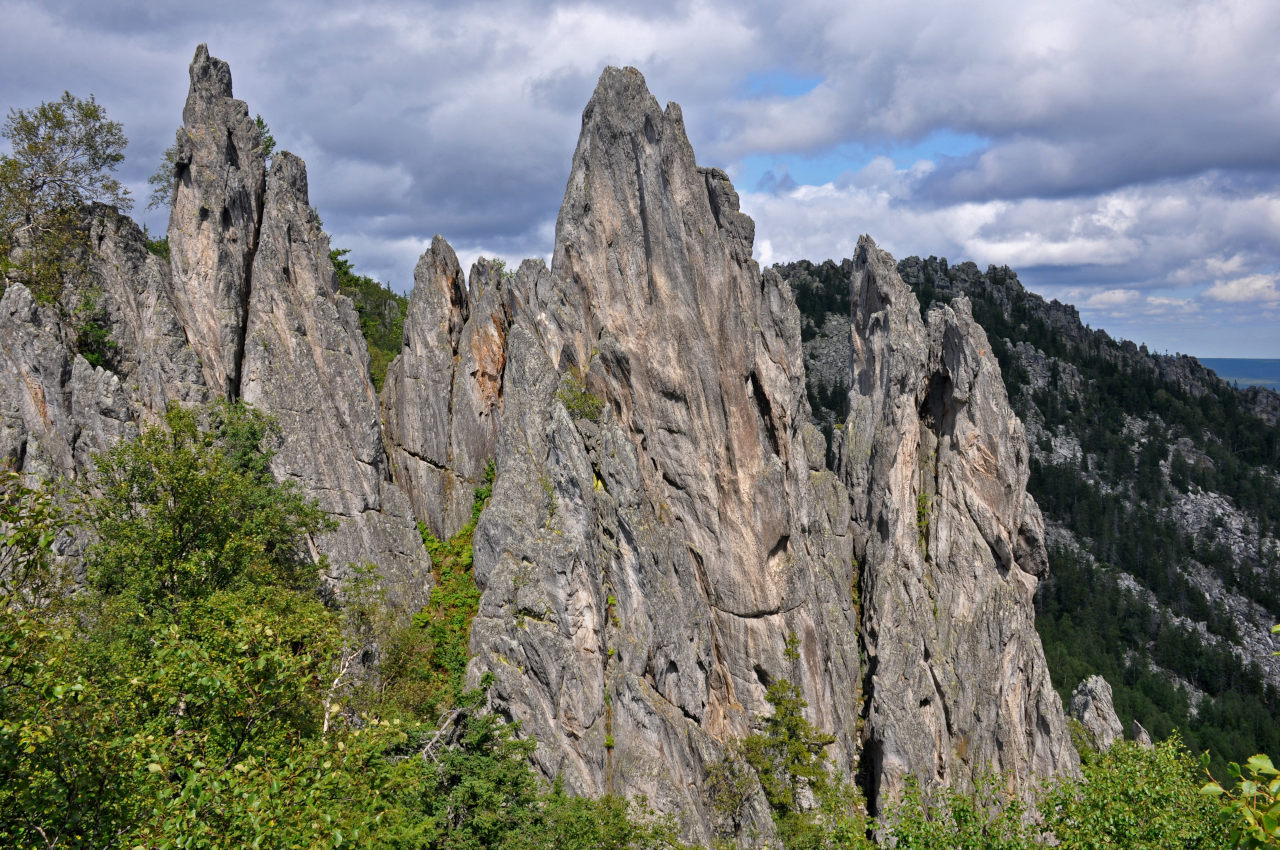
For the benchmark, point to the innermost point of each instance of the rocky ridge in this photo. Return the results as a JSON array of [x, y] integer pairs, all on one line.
[[1158, 483], [441, 402], [670, 533], [662, 522], [952, 547], [248, 264]]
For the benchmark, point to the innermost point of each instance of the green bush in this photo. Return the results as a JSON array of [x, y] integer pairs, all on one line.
[[187, 697], [987, 818], [1133, 796], [580, 402]]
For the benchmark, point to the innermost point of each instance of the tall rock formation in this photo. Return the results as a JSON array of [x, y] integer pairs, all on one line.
[[241, 269], [663, 527], [306, 364], [951, 547], [665, 538], [220, 177], [1091, 705], [442, 399]]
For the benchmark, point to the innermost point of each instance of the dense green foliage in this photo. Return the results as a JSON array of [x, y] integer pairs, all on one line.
[[63, 156], [1251, 806], [424, 665], [987, 819], [189, 696], [1130, 796], [381, 311], [1134, 797]]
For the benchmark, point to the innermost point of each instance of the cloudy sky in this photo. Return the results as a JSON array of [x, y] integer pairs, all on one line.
[[1123, 156]]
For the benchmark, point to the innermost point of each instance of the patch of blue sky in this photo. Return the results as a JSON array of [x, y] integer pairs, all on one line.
[[762, 172], [778, 83]]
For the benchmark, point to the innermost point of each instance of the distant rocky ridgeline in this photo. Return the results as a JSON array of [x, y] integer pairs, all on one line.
[[669, 531]]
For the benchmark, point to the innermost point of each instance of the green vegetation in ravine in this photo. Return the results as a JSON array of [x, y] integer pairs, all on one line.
[[382, 313], [424, 665]]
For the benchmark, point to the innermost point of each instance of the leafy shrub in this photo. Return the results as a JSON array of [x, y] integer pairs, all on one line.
[[987, 818], [1251, 807], [1133, 796]]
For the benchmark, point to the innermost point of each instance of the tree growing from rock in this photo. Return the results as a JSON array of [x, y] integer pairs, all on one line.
[[63, 155]]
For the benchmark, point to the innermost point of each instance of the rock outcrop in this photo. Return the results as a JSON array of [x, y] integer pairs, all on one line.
[[443, 397], [220, 178], [663, 527], [305, 363], [56, 409], [666, 537], [1091, 705], [242, 269], [951, 547]]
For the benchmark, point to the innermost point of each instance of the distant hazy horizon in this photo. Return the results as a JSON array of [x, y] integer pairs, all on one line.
[[1246, 371]]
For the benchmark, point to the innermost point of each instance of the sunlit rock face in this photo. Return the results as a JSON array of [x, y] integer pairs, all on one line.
[[663, 526], [306, 364], [442, 401], [951, 547], [220, 182]]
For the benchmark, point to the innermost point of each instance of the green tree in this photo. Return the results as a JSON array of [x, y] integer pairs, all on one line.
[[187, 697], [812, 805], [268, 140], [187, 511], [1251, 807], [63, 155], [162, 181]]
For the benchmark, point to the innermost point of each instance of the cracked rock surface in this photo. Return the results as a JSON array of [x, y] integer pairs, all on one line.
[[306, 364], [442, 401], [662, 523], [951, 544]]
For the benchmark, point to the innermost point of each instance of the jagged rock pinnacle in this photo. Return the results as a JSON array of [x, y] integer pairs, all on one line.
[[220, 177]]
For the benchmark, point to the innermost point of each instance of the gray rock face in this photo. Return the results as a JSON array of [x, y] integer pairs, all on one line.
[[306, 364], [58, 410], [442, 400], [1091, 705], [213, 226], [950, 544], [662, 522], [154, 359]]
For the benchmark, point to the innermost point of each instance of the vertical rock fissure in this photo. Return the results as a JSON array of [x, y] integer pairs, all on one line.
[[235, 381], [868, 763]]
